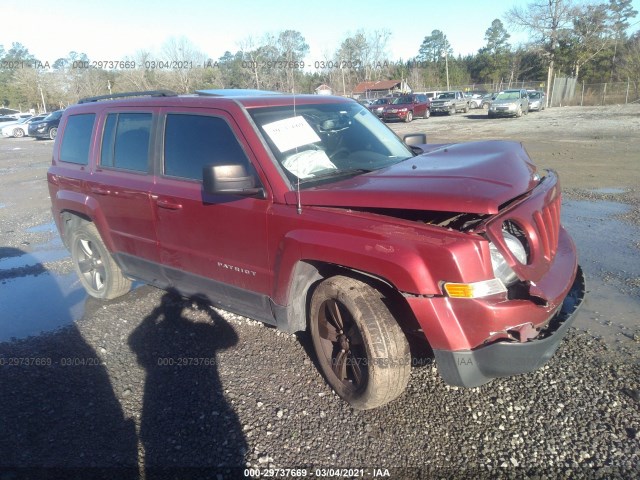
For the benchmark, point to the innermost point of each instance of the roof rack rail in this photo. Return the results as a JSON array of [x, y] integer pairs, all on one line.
[[148, 93], [235, 92]]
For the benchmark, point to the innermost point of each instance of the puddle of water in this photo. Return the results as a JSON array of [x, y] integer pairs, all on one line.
[[44, 253], [602, 241], [32, 298], [607, 253], [34, 304]]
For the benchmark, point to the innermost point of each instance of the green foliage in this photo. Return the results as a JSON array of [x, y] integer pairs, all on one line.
[[434, 47]]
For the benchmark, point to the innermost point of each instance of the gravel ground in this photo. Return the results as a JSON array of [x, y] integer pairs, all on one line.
[[121, 391], [154, 386]]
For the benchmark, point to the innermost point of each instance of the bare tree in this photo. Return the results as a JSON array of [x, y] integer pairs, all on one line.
[[140, 78], [590, 34], [292, 50], [185, 64], [549, 21]]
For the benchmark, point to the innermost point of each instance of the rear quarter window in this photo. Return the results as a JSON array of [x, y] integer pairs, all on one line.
[[76, 140]]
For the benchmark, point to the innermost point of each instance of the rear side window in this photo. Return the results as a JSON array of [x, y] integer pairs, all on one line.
[[125, 141], [194, 141], [77, 138]]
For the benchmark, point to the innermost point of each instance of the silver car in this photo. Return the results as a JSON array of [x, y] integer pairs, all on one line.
[[537, 100], [510, 103], [19, 129]]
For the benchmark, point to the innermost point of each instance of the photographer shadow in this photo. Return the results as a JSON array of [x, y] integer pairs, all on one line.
[[59, 415], [187, 425]]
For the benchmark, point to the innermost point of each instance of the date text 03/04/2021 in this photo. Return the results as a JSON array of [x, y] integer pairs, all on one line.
[[317, 472]]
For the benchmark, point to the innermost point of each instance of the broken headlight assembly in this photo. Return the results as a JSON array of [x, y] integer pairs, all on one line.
[[504, 274]]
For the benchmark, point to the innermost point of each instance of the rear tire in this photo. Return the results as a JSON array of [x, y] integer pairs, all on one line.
[[18, 133], [98, 272], [427, 113], [361, 349]]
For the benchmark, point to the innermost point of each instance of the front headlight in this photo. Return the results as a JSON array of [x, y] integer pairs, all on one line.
[[501, 268]]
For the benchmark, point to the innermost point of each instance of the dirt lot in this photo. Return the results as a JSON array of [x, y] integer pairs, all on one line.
[[91, 395]]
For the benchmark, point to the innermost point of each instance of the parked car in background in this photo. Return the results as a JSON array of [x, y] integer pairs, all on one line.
[[15, 117], [13, 120], [365, 102], [450, 102], [47, 127], [473, 99], [378, 105], [21, 128], [487, 99], [510, 103], [407, 107], [537, 100], [431, 95]]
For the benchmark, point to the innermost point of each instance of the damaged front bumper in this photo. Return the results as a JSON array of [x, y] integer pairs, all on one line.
[[472, 368]]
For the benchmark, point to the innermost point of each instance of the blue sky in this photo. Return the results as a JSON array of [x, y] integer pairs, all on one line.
[[113, 29]]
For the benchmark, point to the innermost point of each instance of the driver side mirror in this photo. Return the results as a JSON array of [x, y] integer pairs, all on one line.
[[415, 139], [230, 180]]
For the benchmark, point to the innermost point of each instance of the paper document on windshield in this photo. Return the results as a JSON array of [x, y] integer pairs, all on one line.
[[291, 133]]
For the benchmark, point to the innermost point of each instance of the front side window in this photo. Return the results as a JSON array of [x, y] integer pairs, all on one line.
[[77, 139], [125, 141], [192, 142]]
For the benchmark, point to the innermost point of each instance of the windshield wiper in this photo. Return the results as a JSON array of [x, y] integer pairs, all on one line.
[[336, 173]]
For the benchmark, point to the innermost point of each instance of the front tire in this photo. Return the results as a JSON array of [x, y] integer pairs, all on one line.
[[98, 272], [18, 133], [361, 349], [52, 133], [409, 116]]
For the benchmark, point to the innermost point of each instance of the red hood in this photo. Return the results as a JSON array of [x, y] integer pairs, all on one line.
[[474, 177]]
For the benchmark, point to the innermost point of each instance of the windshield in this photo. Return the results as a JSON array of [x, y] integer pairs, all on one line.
[[534, 95], [508, 96], [328, 142], [53, 116], [400, 100], [447, 95]]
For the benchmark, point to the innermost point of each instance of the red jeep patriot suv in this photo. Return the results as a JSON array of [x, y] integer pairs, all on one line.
[[307, 212]]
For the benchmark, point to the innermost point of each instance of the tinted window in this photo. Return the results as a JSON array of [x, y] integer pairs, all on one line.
[[77, 139], [125, 141], [194, 141]]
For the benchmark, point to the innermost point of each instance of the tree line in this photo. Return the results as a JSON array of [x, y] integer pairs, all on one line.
[[588, 41]]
